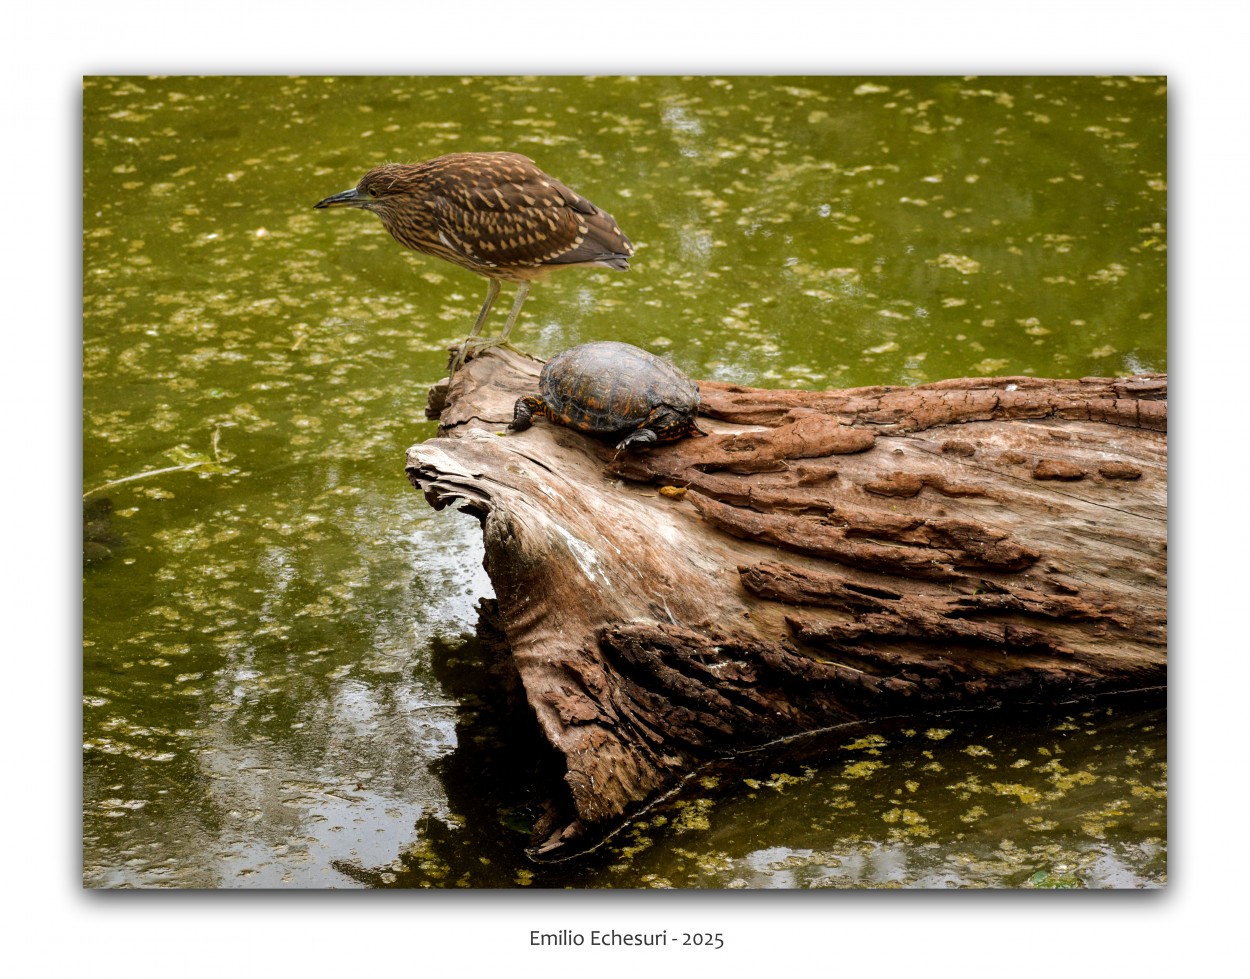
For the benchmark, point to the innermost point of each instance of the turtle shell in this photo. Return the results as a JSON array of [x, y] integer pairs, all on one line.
[[609, 387]]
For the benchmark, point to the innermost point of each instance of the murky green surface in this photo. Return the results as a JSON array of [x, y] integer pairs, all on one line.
[[279, 682]]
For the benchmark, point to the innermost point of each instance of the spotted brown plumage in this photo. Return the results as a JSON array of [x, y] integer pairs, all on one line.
[[495, 214], [611, 388]]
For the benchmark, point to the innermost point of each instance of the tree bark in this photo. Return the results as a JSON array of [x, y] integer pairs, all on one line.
[[822, 558]]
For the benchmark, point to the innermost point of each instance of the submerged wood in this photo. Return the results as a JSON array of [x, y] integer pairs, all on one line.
[[821, 558]]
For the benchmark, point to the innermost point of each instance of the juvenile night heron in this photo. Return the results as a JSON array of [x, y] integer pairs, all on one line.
[[495, 214]]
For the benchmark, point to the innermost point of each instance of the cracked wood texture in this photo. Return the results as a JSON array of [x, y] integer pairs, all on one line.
[[821, 558]]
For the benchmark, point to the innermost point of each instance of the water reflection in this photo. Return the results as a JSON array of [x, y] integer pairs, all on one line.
[[957, 801], [282, 684], [1043, 799]]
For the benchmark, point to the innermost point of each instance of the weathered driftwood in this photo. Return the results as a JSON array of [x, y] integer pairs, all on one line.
[[822, 557]]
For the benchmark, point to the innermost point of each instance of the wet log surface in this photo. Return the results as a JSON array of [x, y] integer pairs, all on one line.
[[821, 558]]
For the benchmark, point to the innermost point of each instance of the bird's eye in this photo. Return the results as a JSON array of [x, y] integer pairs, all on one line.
[[373, 192]]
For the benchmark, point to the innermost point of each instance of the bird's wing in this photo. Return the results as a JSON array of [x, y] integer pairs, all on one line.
[[517, 216], [489, 234]]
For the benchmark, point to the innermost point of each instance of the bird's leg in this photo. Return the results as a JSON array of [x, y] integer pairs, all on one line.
[[522, 291], [492, 291], [476, 344], [462, 354]]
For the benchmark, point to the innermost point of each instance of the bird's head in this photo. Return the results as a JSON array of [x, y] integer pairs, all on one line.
[[379, 185]]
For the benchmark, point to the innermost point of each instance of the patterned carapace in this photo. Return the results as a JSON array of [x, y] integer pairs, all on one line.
[[610, 388]]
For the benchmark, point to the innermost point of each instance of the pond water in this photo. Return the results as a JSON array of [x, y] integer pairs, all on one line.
[[282, 685]]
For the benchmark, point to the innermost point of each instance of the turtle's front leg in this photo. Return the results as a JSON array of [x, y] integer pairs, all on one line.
[[637, 438], [524, 411], [661, 425]]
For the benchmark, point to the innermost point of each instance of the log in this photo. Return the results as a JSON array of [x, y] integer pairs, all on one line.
[[822, 558]]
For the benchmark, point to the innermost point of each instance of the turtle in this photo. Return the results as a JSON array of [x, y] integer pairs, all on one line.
[[612, 388]]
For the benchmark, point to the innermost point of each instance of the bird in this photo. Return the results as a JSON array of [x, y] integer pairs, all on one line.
[[496, 214]]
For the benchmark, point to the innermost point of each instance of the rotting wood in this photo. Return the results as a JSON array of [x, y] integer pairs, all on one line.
[[823, 557]]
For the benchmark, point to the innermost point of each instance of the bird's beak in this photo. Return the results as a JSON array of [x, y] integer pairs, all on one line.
[[349, 198]]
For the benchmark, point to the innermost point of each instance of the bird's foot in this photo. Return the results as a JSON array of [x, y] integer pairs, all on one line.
[[471, 347]]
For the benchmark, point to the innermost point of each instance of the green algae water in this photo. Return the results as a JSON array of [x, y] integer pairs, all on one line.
[[282, 683]]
